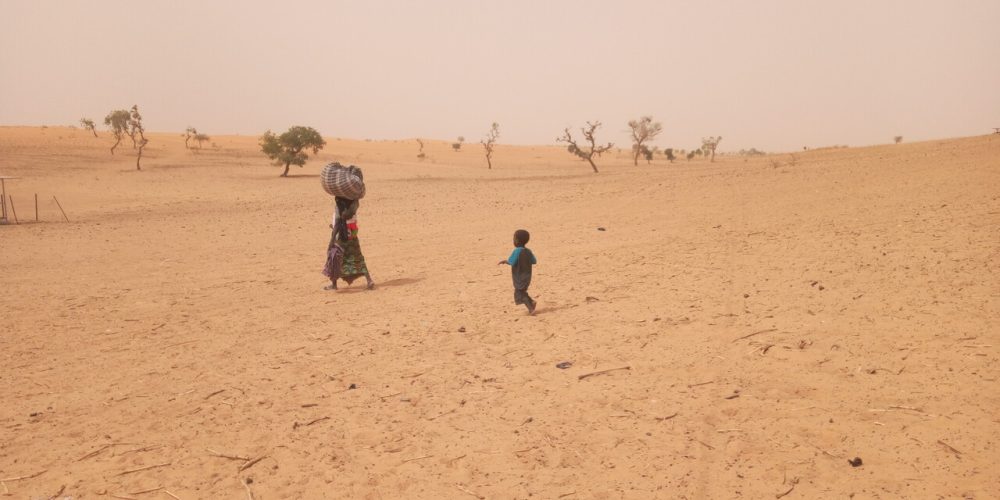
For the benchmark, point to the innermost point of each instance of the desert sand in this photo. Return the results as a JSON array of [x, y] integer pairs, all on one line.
[[778, 318]]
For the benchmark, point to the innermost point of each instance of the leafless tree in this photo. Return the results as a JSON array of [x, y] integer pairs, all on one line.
[[644, 129], [490, 142], [588, 135]]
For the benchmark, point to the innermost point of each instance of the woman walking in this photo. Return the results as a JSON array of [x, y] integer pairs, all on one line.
[[344, 258]]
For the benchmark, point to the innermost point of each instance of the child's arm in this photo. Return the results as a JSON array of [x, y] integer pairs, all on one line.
[[512, 259]]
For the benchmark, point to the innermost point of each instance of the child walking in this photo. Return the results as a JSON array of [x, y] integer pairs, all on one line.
[[520, 262]]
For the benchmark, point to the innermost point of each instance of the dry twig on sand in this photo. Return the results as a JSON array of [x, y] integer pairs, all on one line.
[[252, 463], [223, 455], [146, 491], [415, 459], [175, 497], [130, 471], [95, 452], [296, 425], [794, 482], [18, 478], [137, 450], [449, 412], [601, 372], [769, 330], [950, 448], [181, 343], [220, 391]]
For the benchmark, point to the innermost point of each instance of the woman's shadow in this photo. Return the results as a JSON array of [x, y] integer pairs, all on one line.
[[380, 284]]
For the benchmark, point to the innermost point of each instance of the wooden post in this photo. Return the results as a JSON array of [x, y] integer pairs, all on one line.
[[60, 208], [14, 211], [36, 207], [3, 197]]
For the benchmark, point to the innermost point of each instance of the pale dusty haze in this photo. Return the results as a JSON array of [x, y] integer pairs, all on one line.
[[775, 75]]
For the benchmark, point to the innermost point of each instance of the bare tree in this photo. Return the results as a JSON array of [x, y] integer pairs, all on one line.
[[588, 135], [898, 139], [89, 125], [643, 130], [708, 145], [117, 121], [135, 128], [490, 142]]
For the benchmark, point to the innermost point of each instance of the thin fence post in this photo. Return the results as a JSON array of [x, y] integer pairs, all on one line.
[[36, 207], [60, 208], [14, 210]]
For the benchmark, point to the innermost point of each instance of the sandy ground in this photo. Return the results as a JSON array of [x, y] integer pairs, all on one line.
[[776, 320]]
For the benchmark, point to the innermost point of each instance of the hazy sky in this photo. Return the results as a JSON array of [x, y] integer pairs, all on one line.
[[771, 74]]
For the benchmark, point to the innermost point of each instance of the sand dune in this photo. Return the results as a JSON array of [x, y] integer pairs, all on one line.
[[777, 321]]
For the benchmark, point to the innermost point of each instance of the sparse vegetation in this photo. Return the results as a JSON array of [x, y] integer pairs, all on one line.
[[290, 147], [898, 139], [457, 145], [421, 154], [709, 144], [201, 138], [669, 153], [647, 153], [117, 121], [88, 124], [644, 129], [751, 152], [690, 154], [588, 135], [189, 134], [490, 142], [135, 128]]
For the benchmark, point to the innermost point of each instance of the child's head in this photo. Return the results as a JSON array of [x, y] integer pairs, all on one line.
[[521, 238]]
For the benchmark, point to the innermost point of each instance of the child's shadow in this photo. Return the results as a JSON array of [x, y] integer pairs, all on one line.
[[552, 309]]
